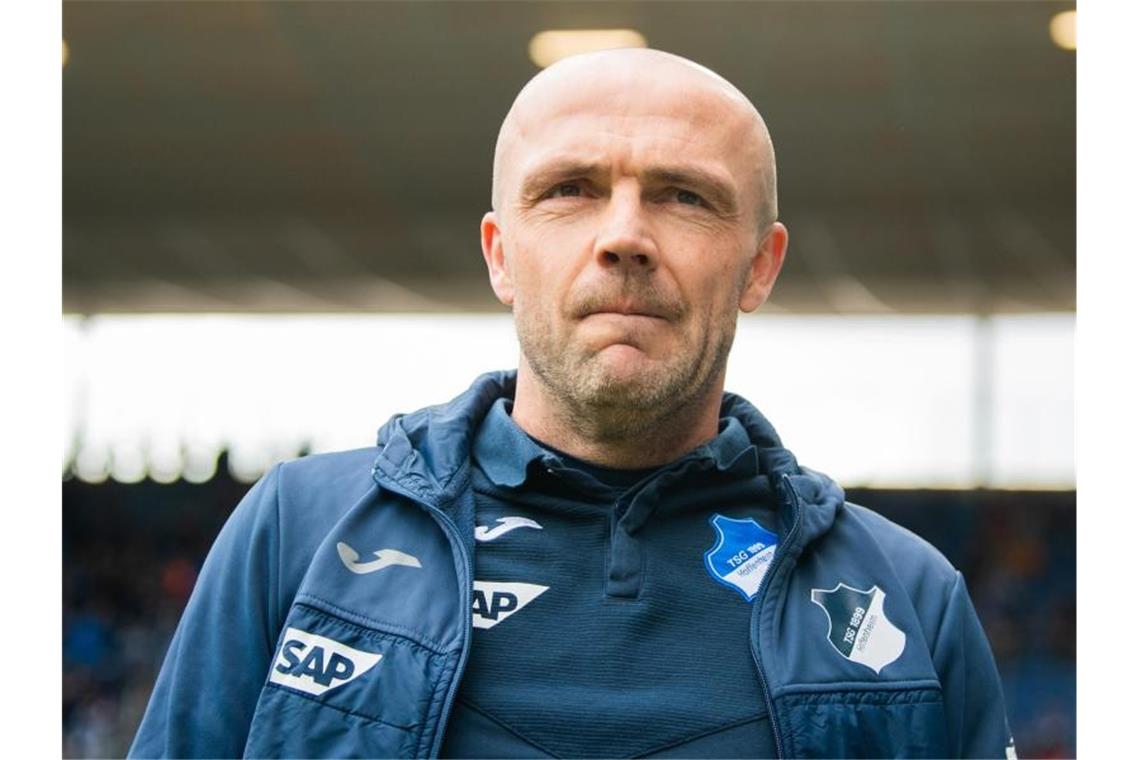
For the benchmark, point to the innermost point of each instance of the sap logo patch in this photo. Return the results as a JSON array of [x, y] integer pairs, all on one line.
[[495, 602], [315, 664]]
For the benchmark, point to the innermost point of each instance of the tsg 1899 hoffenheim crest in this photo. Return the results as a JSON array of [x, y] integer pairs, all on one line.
[[741, 555], [858, 627]]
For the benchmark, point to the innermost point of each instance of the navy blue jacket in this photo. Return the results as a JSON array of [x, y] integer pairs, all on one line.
[[863, 635]]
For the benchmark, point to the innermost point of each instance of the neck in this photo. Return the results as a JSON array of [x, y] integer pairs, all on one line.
[[598, 436]]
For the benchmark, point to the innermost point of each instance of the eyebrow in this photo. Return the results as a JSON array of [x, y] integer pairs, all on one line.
[[545, 175], [716, 189]]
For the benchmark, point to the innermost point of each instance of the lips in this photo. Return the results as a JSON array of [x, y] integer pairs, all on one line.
[[647, 302], [628, 310]]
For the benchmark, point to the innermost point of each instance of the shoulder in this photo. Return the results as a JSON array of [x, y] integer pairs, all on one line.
[[311, 490], [312, 493], [900, 559], [294, 507], [317, 477], [908, 552]]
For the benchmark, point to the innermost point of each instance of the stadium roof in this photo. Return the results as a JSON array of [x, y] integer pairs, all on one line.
[[326, 156]]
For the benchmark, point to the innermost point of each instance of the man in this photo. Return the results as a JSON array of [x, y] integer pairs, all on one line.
[[605, 554]]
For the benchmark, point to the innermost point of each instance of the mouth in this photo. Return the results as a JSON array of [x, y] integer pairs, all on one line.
[[628, 323], [623, 314], [627, 310], [637, 326]]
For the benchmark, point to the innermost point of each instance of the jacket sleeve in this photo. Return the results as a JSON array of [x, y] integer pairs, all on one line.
[[975, 709], [204, 699]]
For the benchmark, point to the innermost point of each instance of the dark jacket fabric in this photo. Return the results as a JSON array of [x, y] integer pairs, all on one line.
[[863, 636]]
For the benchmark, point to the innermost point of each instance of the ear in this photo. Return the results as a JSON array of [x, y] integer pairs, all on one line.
[[497, 268], [764, 268]]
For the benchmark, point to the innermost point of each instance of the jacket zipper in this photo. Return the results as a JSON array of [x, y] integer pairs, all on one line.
[[453, 536], [781, 551], [465, 587]]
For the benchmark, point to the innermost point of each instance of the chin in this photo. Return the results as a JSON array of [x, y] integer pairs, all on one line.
[[632, 382], [624, 359]]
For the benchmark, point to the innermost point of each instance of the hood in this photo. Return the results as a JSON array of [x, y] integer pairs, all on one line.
[[427, 452], [810, 498]]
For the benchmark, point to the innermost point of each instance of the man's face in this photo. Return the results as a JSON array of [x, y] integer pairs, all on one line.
[[628, 226]]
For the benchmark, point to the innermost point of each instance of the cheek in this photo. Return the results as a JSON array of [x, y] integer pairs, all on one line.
[[545, 264], [713, 288]]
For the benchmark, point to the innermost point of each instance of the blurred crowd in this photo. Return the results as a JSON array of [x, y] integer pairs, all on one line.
[[131, 553], [1018, 553]]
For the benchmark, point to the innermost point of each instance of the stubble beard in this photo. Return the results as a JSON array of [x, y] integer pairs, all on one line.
[[606, 407]]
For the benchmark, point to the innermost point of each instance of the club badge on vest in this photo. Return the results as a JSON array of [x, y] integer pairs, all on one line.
[[741, 554], [494, 602], [858, 627], [315, 664]]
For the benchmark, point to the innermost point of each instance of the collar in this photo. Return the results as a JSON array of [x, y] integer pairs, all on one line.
[[502, 450], [732, 450], [507, 454], [426, 456]]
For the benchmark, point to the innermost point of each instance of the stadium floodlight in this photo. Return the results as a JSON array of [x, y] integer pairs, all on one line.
[[555, 44], [1063, 30]]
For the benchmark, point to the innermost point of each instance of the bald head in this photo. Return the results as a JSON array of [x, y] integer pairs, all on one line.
[[637, 82]]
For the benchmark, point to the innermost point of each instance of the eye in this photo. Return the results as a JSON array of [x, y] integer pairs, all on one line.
[[689, 198], [564, 190]]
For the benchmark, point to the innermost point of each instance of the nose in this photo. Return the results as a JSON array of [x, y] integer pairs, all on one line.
[[625, 242]]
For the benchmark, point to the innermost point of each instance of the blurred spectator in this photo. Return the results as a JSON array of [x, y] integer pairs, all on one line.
[[178, 577]]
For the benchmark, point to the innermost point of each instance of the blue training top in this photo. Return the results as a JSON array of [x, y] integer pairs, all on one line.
[[338, 610], [599, 632]]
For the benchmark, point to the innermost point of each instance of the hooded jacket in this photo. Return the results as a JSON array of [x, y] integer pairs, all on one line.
[[864, 637]]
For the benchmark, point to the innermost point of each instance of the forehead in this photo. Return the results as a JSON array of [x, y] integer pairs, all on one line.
[[634, 119]]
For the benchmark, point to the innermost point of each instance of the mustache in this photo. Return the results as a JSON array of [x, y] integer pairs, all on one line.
[[637, 296]]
